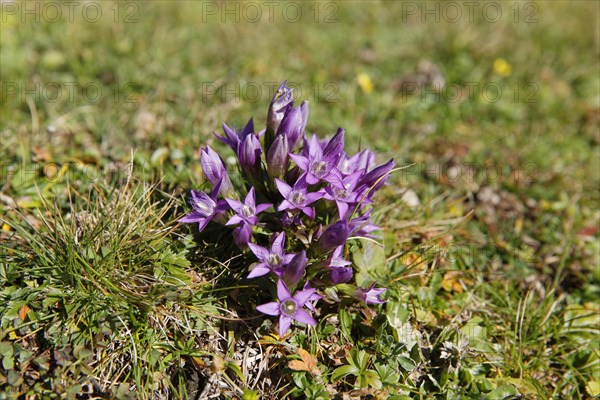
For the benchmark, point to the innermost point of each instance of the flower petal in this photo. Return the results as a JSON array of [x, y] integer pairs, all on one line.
[[235, 205], [283, 293], [312, 197], [236, 219], [304, 317], [277, 246], [335, 178], [259, 270], [283, 188], [250, 198], [260, 252], [269, 308], [302, 296], [284, 324], [262, 207], [202, 224], [215, 191], [309, 212], [315, 151], [192, 217], [342, 208], [311, 179], [285, 205], [301, 161]]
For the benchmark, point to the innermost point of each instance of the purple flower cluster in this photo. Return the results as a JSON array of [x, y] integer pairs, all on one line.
[[299, 202]]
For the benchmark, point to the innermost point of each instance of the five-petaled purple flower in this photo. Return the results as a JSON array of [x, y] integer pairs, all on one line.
[[245, 217], [370, 295], [347, 195], [321, 163], [234, 137], [289, 307], [297, 197], [204, 207], [359, 162], [271, 260], [246, 211]]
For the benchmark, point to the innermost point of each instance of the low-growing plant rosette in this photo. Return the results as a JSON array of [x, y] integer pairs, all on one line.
[[298, 203]]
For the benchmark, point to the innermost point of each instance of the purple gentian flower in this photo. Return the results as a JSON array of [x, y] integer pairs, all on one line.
[[312, 300], [248, 153], [247, 210], [359, 162], [336, 260], [370, 295], [204, 207], [282, 101], [339, 275], [295, 269], [321, 164], [294, 124], [376, 178], [346, 195], [335, 146], [335, 235], [277, 157], [339, 272], [362, 226], [291, 219], [242, 234], [289, 307], [214, 169], [272, 260], [296, 198], [234, 137]]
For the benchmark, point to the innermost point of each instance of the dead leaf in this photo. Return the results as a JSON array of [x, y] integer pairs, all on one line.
[[23, 312], [308, 363], [453, 282]]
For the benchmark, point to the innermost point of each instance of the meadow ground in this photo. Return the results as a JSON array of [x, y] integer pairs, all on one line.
[[491, 250]]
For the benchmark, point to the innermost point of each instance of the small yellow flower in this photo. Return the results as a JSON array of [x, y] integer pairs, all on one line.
[[502, 67], [365, 82], [6, 228]]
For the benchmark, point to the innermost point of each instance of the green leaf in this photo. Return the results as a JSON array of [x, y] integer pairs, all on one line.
[[407, 363], [474, 330], [343, 371], [6, 349], [236, 369], [593, 388], [370, 260], [360, 359], [8, 363], [387, 374], [502, 392], [372, 379], [345, 322]]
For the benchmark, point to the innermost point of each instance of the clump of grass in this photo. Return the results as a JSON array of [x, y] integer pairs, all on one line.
[[98, 297]]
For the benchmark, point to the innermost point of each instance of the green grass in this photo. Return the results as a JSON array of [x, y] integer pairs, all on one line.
[[494, 275]]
